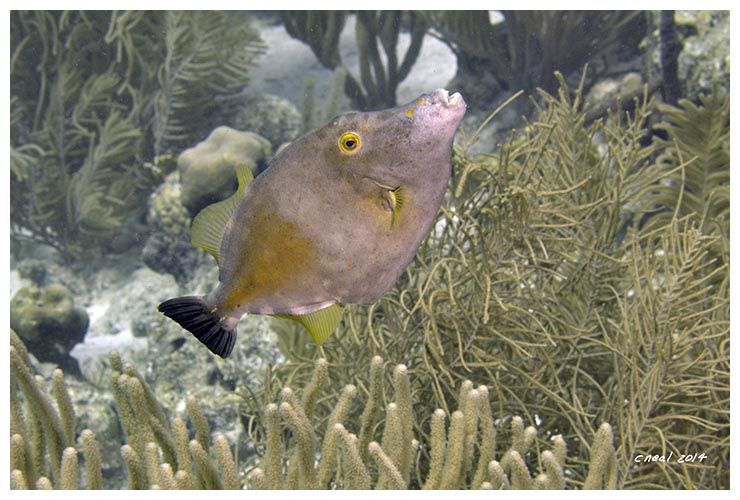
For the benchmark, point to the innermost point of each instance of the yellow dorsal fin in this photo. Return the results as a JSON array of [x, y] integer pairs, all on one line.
[[395, 199], [320, 324], [208, 226]]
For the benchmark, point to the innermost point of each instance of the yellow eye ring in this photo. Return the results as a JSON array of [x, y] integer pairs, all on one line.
[[349, 142]]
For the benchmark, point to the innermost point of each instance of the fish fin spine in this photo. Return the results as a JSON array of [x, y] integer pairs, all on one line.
[[193, 314]]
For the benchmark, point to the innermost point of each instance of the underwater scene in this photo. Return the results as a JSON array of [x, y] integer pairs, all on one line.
[[369, 250]]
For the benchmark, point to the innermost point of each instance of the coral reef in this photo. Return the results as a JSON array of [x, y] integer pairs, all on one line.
[[205, 174], [313, 114], [669, 51], [163, 453], [271, 116], [613, 94], [207, 170], [699, 54], [578, 271], [704, 62], [166, 211], [463, 456], [168, 248], [540, 280], [42, 271], [694, 165], [320, 30], [380, 73], [97, 97], [157, 455], [49, 323], [524, 50], [172, 254]]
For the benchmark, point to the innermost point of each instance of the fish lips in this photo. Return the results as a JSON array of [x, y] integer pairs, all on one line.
[[443, 96], [442, 101]]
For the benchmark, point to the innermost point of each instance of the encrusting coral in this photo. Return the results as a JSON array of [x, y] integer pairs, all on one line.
[[166, 212], [160, 454], [168, 248]]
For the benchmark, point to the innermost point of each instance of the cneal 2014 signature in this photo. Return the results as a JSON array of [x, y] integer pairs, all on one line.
[[671, 457]]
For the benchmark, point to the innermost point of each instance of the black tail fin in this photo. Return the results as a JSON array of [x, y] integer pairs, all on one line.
[[194, 315]]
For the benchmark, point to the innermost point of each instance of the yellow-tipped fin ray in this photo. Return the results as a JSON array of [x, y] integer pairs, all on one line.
[[320, 324], [395, 199], [208, 226]]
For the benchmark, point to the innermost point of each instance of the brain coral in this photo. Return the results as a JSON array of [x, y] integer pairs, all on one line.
[[49, 323], [207, 170]]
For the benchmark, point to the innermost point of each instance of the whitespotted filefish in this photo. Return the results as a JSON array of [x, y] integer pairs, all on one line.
[[335, 218]]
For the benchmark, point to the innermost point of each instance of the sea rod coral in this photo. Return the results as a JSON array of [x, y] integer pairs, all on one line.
[[160, 453]]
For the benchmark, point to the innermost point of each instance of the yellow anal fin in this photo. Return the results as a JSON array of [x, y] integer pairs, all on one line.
[[320, 324], [208, 226], [395, 199]]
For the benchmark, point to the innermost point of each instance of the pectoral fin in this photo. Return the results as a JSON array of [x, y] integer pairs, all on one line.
[[395, 199], [320, 324]]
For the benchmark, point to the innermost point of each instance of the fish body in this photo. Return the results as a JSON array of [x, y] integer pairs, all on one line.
[[335, 218]]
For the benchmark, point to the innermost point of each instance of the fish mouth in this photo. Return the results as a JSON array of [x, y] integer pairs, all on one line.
[[442, 96]]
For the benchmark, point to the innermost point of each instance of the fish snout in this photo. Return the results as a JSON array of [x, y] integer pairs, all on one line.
[[442, 109], [443, 96]]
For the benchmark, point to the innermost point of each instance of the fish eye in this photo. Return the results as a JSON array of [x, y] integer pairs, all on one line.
[[349, 142]]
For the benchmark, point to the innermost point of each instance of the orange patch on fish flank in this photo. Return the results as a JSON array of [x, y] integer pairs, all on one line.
[[275, 259]]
